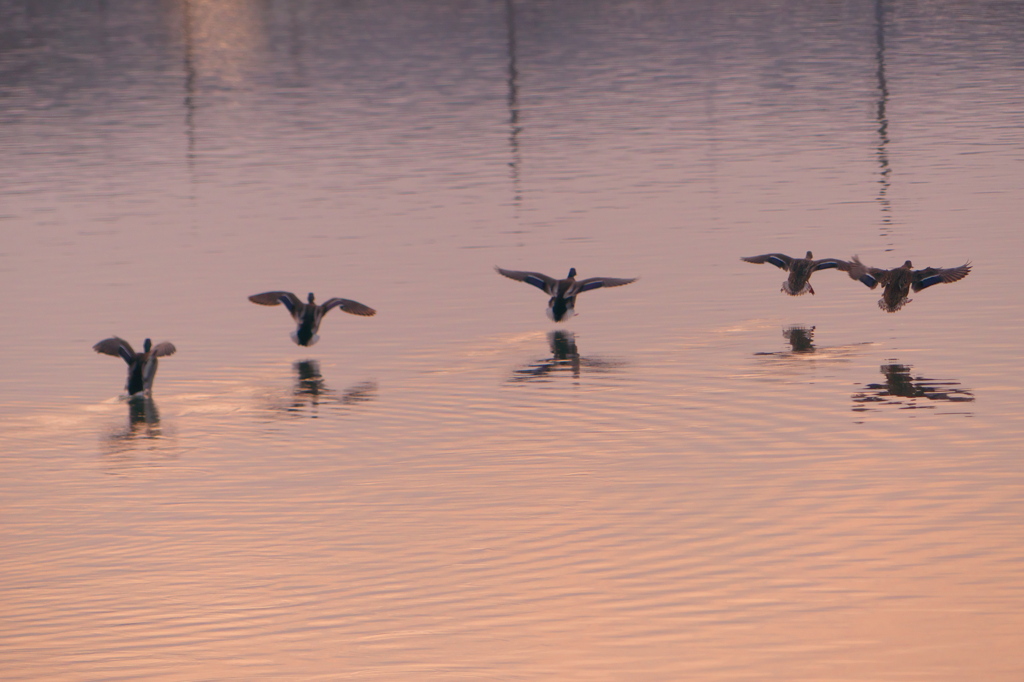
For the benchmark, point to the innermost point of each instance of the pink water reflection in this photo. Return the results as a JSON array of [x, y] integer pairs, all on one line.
[[675, 485]]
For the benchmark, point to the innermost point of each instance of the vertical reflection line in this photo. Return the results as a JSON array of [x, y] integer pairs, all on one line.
[[295, 36], [190, 88], [711, 111], [883, 125], [513, 103], [105, 132]]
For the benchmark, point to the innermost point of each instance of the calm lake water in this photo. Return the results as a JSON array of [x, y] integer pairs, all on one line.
[[698, 477]]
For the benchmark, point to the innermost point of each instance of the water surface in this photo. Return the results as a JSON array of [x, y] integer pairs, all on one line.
[[697, 477]]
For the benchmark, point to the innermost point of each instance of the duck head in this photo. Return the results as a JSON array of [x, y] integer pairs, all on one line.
[[147, 344], [809, 256], [572, 273], [310, 299]]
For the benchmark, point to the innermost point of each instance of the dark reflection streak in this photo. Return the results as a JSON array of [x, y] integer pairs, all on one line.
[[902, 390], [711, 111], [105, 136], [190, 88], [295, 40], [801, 340], [309, 386], [883, 124], [311, 392], [712, 143], [803, 349], [143, 423], [101, 10], [565, 357], [513, 103]]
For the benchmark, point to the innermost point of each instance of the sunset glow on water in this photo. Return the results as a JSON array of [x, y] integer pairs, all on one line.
[[697, 477]]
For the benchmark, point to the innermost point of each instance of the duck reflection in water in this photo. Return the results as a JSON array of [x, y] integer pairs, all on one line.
[[565, 359], [801, 342], [311, 391], [800, 338], [143, 425], [903, 390]]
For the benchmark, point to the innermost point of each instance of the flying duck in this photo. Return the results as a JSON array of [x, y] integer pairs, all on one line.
[[897, 282], [141, 366], [800, 269], [563, 292], [308, 315]]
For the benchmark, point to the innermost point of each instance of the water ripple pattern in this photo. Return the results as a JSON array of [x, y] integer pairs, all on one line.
[[697, 477]]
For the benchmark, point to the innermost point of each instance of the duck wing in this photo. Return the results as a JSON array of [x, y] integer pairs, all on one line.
[[541, 281], [829, 263], [117, 347], [868, 276], [163, 348], [290, 300], [929, 276], [779, 260], [353, 307], [598, 282]]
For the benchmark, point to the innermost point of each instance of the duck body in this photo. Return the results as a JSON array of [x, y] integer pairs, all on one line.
[[563, 292], [308, 315], [141, 366], [800, 269], [307, 318], [897, 283]]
